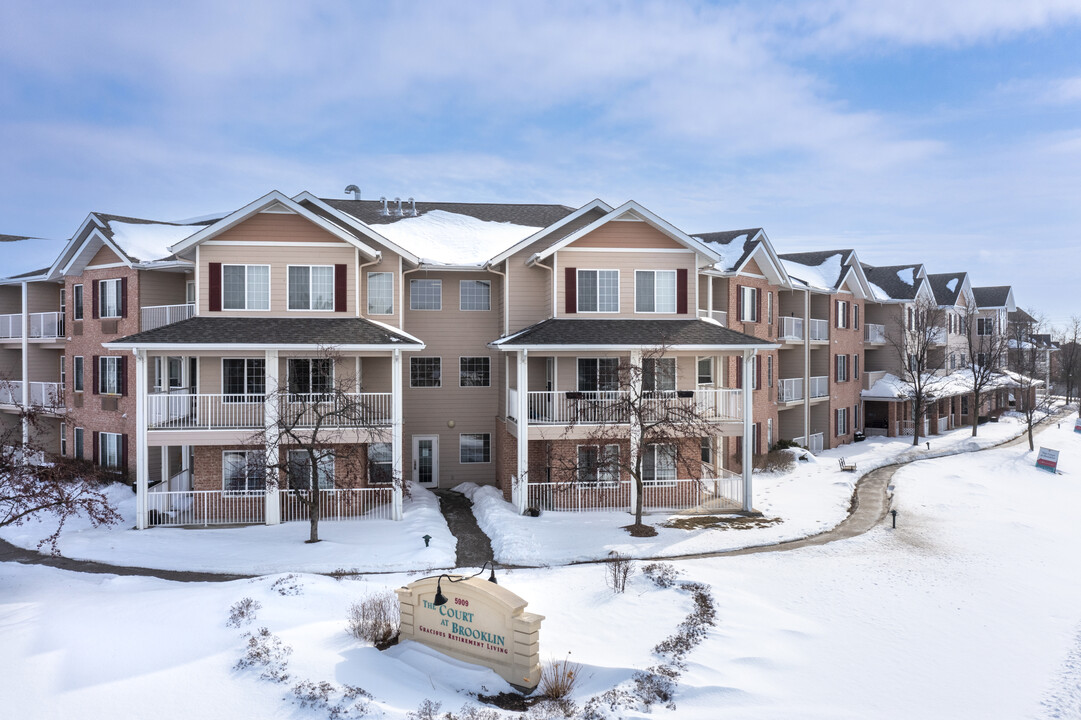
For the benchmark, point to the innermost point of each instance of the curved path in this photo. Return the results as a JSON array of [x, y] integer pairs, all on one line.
[[870, 504]]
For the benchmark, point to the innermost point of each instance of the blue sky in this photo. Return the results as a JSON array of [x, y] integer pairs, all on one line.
[[942, 133]]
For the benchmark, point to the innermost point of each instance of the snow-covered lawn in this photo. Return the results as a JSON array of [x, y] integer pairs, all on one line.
[[971, 608], [813, 497], [366, 545]]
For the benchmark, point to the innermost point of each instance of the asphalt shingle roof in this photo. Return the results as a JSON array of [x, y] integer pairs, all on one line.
[[815, 259], [940, 287], [642, 333], [721, 241], [370, 211], [271, 331], [887, 278], [993, 296]]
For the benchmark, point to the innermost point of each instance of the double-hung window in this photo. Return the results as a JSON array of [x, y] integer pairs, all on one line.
[[80, 433], [425, 372], [243, 379], [748, 304], [842, 314], [310, 376], [705, 371], [475, 295], [380, 463], [842, 421], [110, 450], [311, 287], [474, 372], [380, 293], [425, 294], [110, 381], [842, 368], [77, 302], [659, 464], [598, 291], [659, 375], [243, 471], [300, 469], [598, 464], [598, 374], [855, 366], [985, 326], [245, 287], [474, 448], [655, 291], [110, 300], [77, 371]]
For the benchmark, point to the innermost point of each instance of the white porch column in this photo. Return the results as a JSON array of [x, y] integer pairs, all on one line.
[[271, 408], [520, 490], [709, 296], [25, 400], [635, 421], [142, 462], [807, 367], [748, 425], [396, 433]]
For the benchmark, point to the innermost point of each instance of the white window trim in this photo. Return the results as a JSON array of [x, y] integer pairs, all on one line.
[[118, 439], [247, 464], [77, 374], [321, 459], [612, 482], [411, 295], [578, 292], [712, 370], [288, 378], [427, 357], [101, 376], [675, 293], [78, 307], [652, 447], [63, 439], [461, 306], [368, 293], [333, 288], [389, 462], [473, 357], [842, 314], [118, 296], [78, 438], [269, 289], [474, 462], [593, 357], [744, 306]]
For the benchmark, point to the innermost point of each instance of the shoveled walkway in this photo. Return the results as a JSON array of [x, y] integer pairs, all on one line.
[[474, 547]]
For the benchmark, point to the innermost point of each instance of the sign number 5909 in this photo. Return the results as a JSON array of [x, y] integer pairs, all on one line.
[[461, 601]]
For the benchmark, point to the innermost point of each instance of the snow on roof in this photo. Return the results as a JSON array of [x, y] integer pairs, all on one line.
[[24, 254], [148, 241], [905, 275], [952, 284], [444, 238], [956, 383], [880, 294], [824, 276]]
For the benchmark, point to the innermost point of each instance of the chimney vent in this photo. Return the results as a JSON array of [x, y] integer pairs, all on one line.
[[355, 190], [413, 207], [384, 211], [398, 212]]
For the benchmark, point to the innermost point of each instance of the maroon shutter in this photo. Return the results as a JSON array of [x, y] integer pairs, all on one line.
[[758, 371], [94, 439], [94, 372], [339, 288], [214, 287], [124, 452], [856, 316], [739, 373], [681, 291], [739, 303], [94, 299], [758, 438], [123, 374], [123, 297], [758, 305], [570, 284]]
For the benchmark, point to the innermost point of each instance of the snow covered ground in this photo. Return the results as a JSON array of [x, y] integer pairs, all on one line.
[[366, 545], [810, 499], [971, 608]]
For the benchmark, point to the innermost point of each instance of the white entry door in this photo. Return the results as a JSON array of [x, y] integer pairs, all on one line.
[[426, 460]]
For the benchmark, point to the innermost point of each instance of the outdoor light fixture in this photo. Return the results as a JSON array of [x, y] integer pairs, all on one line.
[[928, 444], [427, 539], [441, 599], [892, 512]]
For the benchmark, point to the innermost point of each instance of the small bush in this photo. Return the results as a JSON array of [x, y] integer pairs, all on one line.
[[266, 650], [774, 461], [342, 573], [243, 612], [618, 570], [548, 709], [428, 710], [558, 678], [353, 703], [376, 619], [663, 575], [287, 585], [785, 445]]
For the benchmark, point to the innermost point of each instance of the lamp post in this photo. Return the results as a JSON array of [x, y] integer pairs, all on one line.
[[441, 599]]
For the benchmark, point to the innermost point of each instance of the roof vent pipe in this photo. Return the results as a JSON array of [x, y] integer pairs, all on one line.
[[413, 207], [355, 190], [384, 211], [398, 212]]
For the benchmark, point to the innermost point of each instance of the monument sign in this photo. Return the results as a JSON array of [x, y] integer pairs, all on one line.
[[1047, 460], [479, 622]]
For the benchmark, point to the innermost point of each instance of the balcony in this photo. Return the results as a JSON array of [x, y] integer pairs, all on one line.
[[820, 330], [247, 412], [605, 407], [156, 316], [719, 315], [43, 325], [870, 377], [820, 386], [45, 395], [11, 326], [791, 328], [790, 390], [11, 392], [876, 334], [937, 336], [814, 444]]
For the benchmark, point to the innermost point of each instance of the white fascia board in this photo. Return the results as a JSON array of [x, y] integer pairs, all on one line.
[[652, 219], [861, 290], [74, 243], [226, 348], [763, 250], [1011, 306], [164, 265], [81, 250], [254, 208], [596, 204], [606, 348], [924, 289], [357, 225]]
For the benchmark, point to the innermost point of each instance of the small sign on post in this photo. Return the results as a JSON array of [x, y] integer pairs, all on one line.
[[1077, 425], [1047, 460]]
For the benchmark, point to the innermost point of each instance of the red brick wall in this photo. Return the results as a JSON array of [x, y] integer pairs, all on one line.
[[349, 472], [847, 341]]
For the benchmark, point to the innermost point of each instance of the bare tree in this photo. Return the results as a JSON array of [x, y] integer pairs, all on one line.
[[916, 340], [637, 405], [988, 348], [1025, 365], [312, 440], [34, 481], [1069, 357]]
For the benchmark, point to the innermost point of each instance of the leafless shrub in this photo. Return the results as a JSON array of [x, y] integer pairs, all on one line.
[[342, 573], [375, 619], [549, 709], [243, 612], [352, 703], [558, 677], [774, 461], [428, 710], [618, 570], [266, 650], [663, 575], [288, 585]]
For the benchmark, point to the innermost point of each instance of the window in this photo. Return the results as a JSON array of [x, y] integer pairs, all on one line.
[[705, 371], [243, 379], [380, 293], [598, 464], [311, 287], [63, 439], [655, 291], [963, 360], [109, 298], [911, 319], [769, 308], [63, 373], [912, 363], [176, 372], [425, 294], [953, 361], [855, 417], [310, 376], [245, 287], [77, 301], [109, 380], [659, 374], [474, 372], [981, 359], [748, 304], [475, 295], [189, 292], [77, 369], [380, 463], [842, 314], [598, 291], [855, 316], [842, 368], [842, 421], [425, 371], [985, 326], [769, 433], [855, 367], [243, 471], [300, 473], [474, 448], [658, 464], [110, 450], [706, 454], [79, 433], [769, 371], [598, 374]]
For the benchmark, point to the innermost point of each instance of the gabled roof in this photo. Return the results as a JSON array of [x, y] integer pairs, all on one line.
[[821, 270], [580, 218], [629, 333], [895, 282], [995, 296], [947, 287], [733, 246]]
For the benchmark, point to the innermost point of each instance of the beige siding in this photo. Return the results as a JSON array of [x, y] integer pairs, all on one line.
[[11, 299], [626, 264], [530, 290], [626, 234], [43, 296], [104, 256], [162, 288], [389, 263]]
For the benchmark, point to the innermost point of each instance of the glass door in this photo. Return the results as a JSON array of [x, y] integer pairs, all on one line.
[[426, 460]]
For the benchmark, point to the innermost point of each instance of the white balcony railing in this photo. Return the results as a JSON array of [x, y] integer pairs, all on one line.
[[610, 406], [206, 507], [790, 390], [876, 333], [46, 325], [221, 412], [720, 316], [719, 493], [937, 336], [11, 392], [791, 328], [820, 386], [815, 444], [156, 316], [341, 504], [11, 326], [870, 377], [512, 404], [820, 329], [47, 394]]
